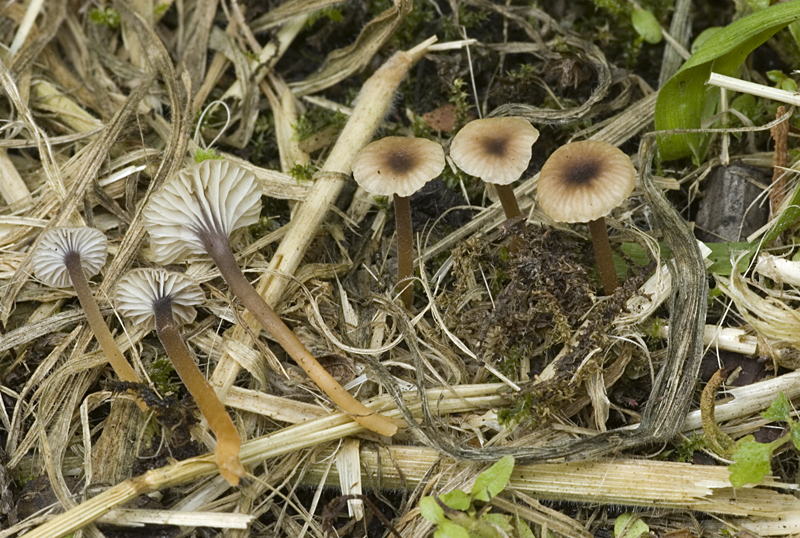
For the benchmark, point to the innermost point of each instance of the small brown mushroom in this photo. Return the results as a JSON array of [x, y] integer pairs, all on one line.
[[582, 182], [498, 151], [164, 300], [194, 213], [399, 167], [64, 257]]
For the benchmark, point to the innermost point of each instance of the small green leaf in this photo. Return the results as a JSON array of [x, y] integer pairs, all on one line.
[[794, 434], [721, 254], [205, 154], [500, 520], [450, 530], [684, 101], [780, 410], [493, 480], [630, 526], [646, 25], [456, 499], [703, 37], [430, 510], [523, 529], [751, 462]]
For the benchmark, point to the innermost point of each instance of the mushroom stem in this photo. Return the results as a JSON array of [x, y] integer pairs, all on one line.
[[508, 201], [602, 253], [72, 260], [405, 248], [228, 441], [218, 247]]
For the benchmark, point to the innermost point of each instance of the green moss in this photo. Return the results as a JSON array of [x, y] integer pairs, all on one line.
[[105, 17], [303, 172], [315, 120], [160, 372]]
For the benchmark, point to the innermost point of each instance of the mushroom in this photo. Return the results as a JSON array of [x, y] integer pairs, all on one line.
[[194, 213], [64, 257], [497, 150], [582, 182], [165, 300], [399, 167]]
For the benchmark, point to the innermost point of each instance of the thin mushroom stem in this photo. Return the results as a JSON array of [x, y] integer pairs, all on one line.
[[405, 248], [122, 367], [602, 253], [218, 247], [508, 200], [228, 441]]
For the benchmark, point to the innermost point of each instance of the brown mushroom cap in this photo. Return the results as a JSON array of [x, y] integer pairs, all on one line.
[[397, 165], [497, 150], [57, 242], [215, 197], [138, 291], [584, 181]]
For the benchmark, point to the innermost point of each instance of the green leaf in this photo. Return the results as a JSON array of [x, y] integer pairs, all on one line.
[[523, 529], [780, 410], [450, 530], [700, 40], [456, 499], [721, 254], [684, 101], [493, 480], [430, 510], [751, 462], [630, 526], [646, 25], [794, 434], [500, 520], [205, 154]]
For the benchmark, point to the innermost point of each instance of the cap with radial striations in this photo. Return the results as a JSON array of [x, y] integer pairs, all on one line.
[[59, 242], [497, 150], [214, 198], [139, 290], [584, 181], [398, 165]]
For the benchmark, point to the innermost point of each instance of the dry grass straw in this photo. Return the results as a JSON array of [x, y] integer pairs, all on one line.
[[102, 118]]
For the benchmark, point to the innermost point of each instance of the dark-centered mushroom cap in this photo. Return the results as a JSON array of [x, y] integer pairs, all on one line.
[[138, 291], [214, 197], [497, 150], [397, 165], [584, 181], [57, 242]]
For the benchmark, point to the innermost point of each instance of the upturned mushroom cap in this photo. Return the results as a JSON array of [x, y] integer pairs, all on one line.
[[497, 150], [56, 243], [138, 291], [214, 197], [397, 165], [584, 181]]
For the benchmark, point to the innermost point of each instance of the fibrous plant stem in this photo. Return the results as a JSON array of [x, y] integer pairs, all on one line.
[[602, 253], [218, 247], [228, 441], [405, 249], [124, 370]]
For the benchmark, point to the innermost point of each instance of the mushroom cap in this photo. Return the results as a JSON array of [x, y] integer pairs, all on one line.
[[57, 242], [398, 165], [214, 197], [497, 150], [584, 181], [138, 291]]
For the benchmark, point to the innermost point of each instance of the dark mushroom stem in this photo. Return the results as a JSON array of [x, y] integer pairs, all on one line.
[[218, 247], [228, 441], [602, 253], [405, 249], [72, 261], [508, 200]]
